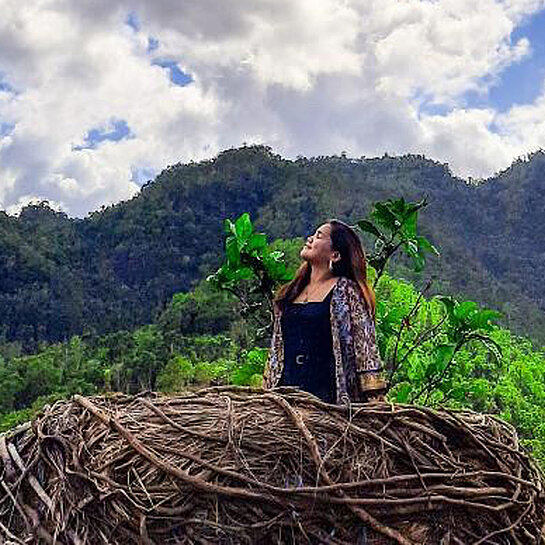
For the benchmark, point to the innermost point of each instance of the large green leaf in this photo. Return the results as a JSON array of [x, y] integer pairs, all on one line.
[[483, 319], [391, 319], [448, 302], [384, 216], [442, 353], [411, 248], [243, 227], [233, 252], [229, 227], [465, 309], [409, 225], [369, 227], [418, 262], [425, 245], [257, 241], [243, 273]]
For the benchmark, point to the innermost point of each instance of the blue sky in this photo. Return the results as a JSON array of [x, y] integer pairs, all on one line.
[[6, 128], [176, 74], [116, 130], [521, 82]]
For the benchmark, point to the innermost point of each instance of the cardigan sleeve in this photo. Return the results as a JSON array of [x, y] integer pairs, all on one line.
[[368, 364], [271, 371]]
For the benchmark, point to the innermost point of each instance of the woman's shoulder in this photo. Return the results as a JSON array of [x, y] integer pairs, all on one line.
[[346, 284], [349, 290]]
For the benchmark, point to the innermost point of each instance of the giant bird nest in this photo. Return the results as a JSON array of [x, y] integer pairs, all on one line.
[[238, 465]]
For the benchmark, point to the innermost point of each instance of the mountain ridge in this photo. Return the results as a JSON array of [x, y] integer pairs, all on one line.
[[118, 266]]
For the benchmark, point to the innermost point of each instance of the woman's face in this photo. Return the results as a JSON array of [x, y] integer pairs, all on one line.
[[318, 246]]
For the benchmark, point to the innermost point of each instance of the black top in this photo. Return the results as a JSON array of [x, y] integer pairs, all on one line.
[[308, 348]]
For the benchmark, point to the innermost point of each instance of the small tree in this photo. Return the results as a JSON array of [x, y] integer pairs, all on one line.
[[251, 271], [394, 227]]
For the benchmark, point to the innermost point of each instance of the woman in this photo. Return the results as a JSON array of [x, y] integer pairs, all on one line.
[[323, 336]]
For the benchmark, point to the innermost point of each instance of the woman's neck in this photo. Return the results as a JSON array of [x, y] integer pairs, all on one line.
[[320, 275]]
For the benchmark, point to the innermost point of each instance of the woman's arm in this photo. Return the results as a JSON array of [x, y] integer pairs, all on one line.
[[368, 365]]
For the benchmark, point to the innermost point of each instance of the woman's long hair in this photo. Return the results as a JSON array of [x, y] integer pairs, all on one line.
[[352, 264]]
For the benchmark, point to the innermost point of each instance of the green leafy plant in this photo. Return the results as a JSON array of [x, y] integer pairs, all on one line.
[[395, 226], [462, 324], [251, 270], [250, 372], [177, 374]]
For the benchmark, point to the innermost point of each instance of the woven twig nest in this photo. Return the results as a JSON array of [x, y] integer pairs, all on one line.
[[240, 465]]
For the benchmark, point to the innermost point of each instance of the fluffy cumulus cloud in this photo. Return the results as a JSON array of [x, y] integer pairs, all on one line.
[[97, 96]]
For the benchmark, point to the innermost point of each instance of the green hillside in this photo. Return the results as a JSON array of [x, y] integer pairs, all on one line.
[[117, 268]]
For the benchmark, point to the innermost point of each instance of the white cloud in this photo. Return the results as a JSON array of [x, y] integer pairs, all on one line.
[[15, 208], [520, 9], [305, 76], [439, 47], [475, 149]]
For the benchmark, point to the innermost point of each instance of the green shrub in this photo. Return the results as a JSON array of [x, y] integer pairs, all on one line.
[[177, 374]]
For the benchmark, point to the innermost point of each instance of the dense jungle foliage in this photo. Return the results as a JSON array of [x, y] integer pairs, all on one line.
[[132, 291], [119, 267], [202, 337], [198, 340]]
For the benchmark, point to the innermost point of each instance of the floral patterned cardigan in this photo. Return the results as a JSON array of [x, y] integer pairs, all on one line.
[[358, 367]]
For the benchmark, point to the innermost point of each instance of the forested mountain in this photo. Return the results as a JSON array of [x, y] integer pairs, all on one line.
[[116, 268]]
